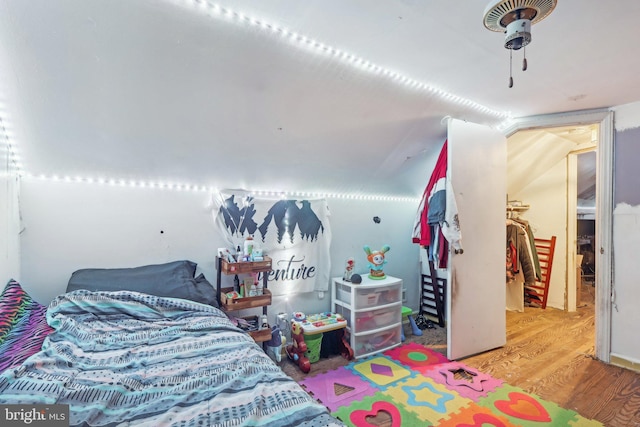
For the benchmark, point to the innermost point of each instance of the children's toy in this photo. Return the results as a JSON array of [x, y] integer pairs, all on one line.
[[274, 345], [297, 348], [344, 347], [376, 261], [322, 322], [298, 316], [348, 269], [408, 313]]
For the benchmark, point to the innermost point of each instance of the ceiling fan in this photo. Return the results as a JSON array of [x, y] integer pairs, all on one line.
[[515, 18]]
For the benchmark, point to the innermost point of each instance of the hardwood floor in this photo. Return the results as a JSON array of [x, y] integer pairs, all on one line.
[[549, 353]]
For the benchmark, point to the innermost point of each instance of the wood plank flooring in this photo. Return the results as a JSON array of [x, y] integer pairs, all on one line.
[[549, 353]]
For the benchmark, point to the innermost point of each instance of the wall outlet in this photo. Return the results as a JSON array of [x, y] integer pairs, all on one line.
[[404, 294]]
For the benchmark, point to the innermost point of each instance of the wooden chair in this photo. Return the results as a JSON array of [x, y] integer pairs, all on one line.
[[537, 294]]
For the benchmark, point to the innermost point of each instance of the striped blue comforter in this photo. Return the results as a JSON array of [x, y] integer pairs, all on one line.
[[131, 359]]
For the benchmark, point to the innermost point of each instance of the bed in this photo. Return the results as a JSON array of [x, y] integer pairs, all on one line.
[[119, 356]]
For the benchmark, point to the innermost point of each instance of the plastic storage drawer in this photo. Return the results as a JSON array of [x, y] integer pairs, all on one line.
[[373, 297], [377, 341], [343, 292], [376, 319]]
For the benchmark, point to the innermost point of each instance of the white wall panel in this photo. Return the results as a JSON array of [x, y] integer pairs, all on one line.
[[69, 226], [9, 225], [547, 215]]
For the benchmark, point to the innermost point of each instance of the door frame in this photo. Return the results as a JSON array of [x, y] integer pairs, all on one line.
[[604, 207]]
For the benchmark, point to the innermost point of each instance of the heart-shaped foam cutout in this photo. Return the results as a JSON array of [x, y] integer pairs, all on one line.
[[379, 411], [524, 407]]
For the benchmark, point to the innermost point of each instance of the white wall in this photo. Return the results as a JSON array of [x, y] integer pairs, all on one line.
[[9, 224], [547, 196], [625, 315], [70, 225], [4, 222]]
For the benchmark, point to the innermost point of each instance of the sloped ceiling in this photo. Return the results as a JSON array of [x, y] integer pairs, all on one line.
[[532, 153], [316, 95]]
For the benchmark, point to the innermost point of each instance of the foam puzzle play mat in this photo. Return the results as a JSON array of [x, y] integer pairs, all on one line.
[[412, 385]]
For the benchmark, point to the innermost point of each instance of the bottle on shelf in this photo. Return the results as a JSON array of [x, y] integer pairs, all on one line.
[[248, 248], [236, 284], [238, 254]]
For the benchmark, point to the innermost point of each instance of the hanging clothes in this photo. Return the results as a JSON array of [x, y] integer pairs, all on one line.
[[436, 225], [532, 246], [519, 253]]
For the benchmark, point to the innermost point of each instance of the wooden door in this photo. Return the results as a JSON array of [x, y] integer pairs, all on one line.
[[476, 314]]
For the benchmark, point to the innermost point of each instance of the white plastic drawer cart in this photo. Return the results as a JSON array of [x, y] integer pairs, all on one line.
[[373, 310]]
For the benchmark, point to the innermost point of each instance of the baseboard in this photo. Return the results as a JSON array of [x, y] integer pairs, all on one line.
[[624, 362]]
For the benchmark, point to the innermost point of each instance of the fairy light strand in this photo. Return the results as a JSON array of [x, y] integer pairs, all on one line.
[[228, 15], [14, 166], [171, 186], [216, 11]]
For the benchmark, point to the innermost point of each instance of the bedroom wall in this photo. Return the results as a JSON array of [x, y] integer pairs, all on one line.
[[625, 316], [547, 198], [68, 226], [9, 223], [4, 210]]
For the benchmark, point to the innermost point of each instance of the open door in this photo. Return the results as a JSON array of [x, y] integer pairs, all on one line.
[[476, 313]]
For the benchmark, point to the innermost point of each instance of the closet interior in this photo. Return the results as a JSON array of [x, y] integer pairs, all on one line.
[[529, 260]]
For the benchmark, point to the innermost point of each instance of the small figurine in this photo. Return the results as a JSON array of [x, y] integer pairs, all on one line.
[[348, 270], [297, 348], [274, 345], [376, 261]]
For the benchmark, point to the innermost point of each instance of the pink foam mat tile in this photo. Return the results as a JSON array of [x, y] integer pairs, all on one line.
[[465, 380], [337, 388]]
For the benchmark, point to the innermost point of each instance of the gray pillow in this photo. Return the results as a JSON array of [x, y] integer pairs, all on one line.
[[173, 279], [207, 289]]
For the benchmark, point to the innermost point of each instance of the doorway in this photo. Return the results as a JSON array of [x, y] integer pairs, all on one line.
[[469, 306], [603, 208], [552, 172], [586, 228]]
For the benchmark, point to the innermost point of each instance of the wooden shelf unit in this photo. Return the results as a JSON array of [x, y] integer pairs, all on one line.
[[264, 300]]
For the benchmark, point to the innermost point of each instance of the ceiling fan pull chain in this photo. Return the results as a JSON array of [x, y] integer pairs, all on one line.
[[524, 59], [510, 68]]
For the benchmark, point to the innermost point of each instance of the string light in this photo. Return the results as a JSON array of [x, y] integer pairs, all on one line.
[[14, 164], [150, 185], [218, 12], [302, 41]]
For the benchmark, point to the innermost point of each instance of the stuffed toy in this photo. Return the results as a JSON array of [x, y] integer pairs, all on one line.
[[376, 261]]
